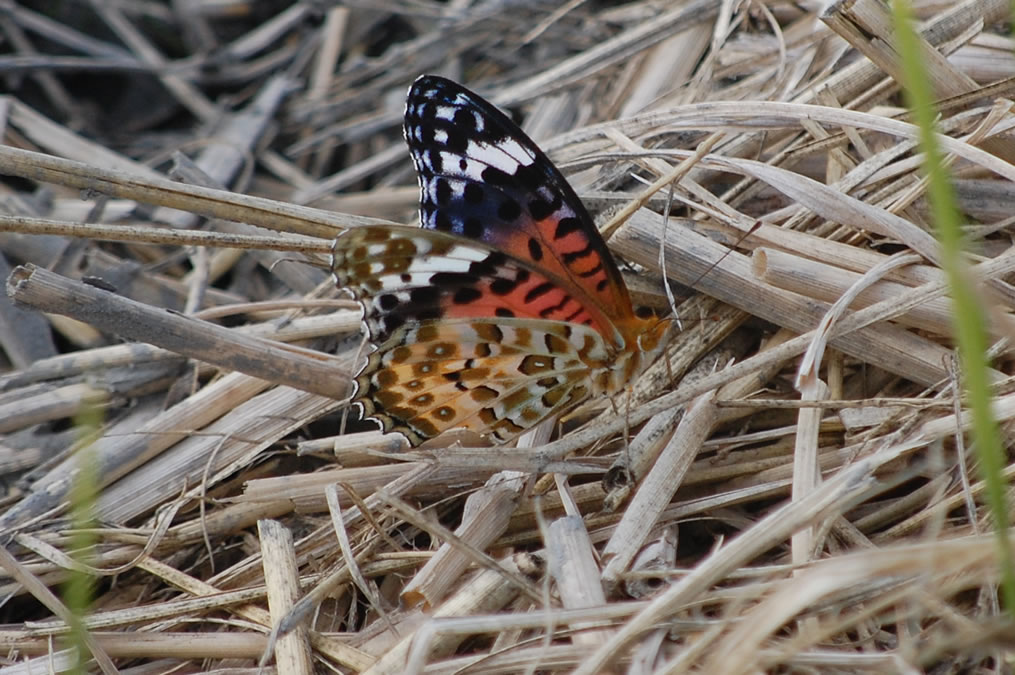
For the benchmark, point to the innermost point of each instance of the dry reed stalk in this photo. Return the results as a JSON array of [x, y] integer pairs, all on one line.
[[838, 526], [283, 588]]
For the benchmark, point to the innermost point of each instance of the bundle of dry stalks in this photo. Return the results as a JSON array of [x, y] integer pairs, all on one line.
[[743, 508]]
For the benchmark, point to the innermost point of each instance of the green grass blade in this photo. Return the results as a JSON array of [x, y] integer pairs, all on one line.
[[79, 589], [969, 316]]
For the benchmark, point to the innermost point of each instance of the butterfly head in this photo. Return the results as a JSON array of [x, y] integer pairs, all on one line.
[[655, 335], [652, 334], [645, 335]]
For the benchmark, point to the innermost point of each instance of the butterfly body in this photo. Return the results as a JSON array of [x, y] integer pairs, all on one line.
[[506, 307]]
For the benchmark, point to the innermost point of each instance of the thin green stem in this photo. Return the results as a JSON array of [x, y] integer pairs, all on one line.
[[79, 588], [969, 317]]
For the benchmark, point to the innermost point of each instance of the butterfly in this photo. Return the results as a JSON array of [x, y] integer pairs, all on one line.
[[505, 307]]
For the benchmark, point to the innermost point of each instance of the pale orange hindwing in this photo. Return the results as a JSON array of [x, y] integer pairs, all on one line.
[[497, 378]]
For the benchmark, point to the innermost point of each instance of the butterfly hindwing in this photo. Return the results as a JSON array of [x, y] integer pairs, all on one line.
[[495, 377], [482, 178]]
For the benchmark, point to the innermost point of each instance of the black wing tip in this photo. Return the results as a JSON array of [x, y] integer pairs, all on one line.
[[448, 91], [431, 80], [427, 78], [428, 81]]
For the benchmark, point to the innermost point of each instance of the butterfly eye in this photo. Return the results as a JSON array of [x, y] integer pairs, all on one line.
[[643, 312]]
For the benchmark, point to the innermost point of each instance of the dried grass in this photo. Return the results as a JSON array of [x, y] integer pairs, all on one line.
[[714, 520]]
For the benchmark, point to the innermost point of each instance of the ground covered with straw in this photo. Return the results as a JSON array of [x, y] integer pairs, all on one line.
[[790, 489]]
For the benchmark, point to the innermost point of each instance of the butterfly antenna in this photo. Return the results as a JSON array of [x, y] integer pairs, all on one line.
[[670, 297], [754, 228], [662, 258]]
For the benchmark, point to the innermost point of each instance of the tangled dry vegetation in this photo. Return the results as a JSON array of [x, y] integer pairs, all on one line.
[[194, 157]]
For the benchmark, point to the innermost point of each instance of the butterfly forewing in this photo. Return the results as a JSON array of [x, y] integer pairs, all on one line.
[[482, 178]]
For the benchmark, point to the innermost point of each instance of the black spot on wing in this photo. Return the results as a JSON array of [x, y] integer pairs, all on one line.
[[391, 323], [566, 226], [442, 192], [509, 210], [433, 160], [428, 314], [453, 279], [535, 250], [466, 295], [538, 291], [548, 312], [540, 209], [441, 221], [497, 178], [425, 295], [472, 228], [575, 256], [503, 286], [474, 193], [465, 121]]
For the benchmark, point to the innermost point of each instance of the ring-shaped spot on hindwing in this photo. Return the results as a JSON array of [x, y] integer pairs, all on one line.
[[497, 377]]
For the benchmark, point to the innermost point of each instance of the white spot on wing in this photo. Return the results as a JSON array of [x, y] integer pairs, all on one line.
[[492, 155], [374, 250], [429, 188], [514, 149], [445, 112], [451, 161], [468, 253], [431, 265]]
